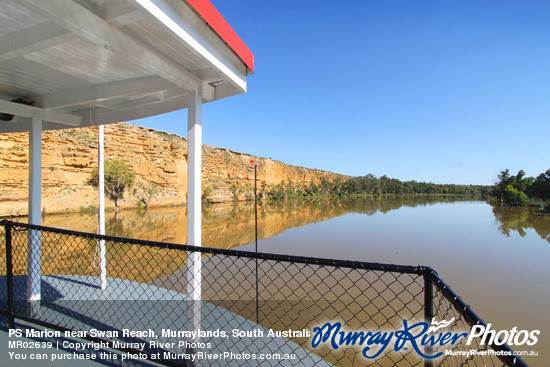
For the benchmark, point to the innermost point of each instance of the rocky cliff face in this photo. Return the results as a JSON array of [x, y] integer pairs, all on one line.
[[158, 159]]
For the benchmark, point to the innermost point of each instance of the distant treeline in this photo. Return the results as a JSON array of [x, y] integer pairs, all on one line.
[[517, 190], [368, 185]]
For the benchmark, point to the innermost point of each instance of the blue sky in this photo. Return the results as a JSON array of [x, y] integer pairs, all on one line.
[[441, 91]]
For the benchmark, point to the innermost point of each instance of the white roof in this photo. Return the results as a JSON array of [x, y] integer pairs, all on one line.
[[84, 62]]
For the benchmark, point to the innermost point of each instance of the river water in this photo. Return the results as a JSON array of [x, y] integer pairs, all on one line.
[[496, 259]]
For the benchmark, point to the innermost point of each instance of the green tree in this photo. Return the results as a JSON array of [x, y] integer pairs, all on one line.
[[540, 187], [206, 192], [504, 180], [145, 193], [512, 189], [235, 190], [118, 178], [514, 197], [263, 190], [522, 183], [249, 193], [289, 190]]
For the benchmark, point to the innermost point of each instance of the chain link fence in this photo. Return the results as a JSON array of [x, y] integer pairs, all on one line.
[[254, 309]]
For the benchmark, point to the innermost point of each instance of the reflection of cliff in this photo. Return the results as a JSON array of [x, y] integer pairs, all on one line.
[[235, 227], [227, 225], [223, 225], [519, 219]]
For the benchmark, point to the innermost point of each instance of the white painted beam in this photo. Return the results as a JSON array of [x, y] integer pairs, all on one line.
[[28, 40], [208, 92], [103, 92], [175, 93], [34, 202], [165, 14], [138, 112], [120, 13], [175, 100], [156, 95], [140, 101], [208, 75], [93, 28], [224, 90], [24, 110]]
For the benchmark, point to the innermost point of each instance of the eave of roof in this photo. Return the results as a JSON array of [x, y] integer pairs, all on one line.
[[215, 20]]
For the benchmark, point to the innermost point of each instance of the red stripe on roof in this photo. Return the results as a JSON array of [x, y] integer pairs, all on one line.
[[215, 20]]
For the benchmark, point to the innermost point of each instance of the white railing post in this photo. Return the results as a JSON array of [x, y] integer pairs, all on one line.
[[35, 188], [194, 160], [101, 210]]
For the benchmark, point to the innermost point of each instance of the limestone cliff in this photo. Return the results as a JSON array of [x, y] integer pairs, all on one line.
[[158, 160]]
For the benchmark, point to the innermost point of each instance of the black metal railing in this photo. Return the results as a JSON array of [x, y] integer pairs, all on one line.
[[246, 293]]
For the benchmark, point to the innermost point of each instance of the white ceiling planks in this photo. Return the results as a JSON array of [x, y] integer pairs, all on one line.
[[104, 61]]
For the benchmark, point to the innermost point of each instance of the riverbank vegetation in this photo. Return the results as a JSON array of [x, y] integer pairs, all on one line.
[[521, 190], [118, 178], [368, 185]]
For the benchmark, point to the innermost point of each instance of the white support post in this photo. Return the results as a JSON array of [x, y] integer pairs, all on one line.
[[194, 159], [101, 210], [35, 187]]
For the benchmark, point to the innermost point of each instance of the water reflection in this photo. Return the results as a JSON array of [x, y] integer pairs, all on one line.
[[521, 219], [228, 225]]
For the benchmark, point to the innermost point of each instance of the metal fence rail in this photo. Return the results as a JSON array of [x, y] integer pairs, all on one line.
[[252, 293]]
